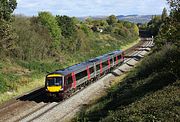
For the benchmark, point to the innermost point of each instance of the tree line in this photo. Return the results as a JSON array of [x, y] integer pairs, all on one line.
[[165, 28], [45, 36]]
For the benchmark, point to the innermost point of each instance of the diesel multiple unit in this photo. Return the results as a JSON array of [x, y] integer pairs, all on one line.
[[62, 83]]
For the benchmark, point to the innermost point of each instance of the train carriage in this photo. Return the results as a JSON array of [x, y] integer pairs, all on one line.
[[62, 83]]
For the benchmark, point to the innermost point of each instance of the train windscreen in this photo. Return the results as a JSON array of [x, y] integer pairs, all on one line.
[[54, 81]]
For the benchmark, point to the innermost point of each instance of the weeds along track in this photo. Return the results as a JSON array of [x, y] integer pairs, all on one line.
[[34, 105]]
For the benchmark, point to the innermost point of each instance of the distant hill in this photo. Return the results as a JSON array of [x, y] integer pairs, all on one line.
[[131, 18], [135, 18], [93, 17]]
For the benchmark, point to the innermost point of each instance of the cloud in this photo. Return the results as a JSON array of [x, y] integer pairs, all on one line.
[[90, 7]]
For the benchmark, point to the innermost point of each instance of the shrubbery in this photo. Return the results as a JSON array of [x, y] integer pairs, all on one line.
[[3, 86], [164, 60]]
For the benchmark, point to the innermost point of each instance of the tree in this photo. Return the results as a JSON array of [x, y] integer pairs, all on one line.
[[6, 9], [169, 31], [75, 20], [175, 9], [104, 23], [67, 26], [49, 21], [127, 24], [112, 20], [164, 14], [85, 29], [174, 5], [96, 22], [135, 29], [89, 20], [7, 35], [154, 25], [174, 22]]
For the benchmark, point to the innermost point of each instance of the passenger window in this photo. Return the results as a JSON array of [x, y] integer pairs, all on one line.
[[91, 70], [98, 67], [81, 75], [104, 64]]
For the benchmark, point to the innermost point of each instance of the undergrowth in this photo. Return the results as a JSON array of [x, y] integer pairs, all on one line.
[[149, 93]]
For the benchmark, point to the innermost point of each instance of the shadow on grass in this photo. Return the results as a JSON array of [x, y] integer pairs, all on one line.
[[130, 91]]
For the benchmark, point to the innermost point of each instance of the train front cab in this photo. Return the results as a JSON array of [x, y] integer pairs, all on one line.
[[54, 85]]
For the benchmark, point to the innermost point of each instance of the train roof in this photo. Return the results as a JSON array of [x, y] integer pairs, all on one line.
[[105, 56], [82, 65], [73, 68]]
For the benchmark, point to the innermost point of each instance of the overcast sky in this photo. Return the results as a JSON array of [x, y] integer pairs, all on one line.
[[81, 8]]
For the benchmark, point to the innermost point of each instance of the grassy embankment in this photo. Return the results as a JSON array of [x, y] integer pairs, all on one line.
[[150, 92], [18, 77]]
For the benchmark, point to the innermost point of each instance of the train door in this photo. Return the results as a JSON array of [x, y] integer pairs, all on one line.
[[74, 80], [122, 56], [113, 61], [101, 68], [88, 72], [109, 63], [68, 81]]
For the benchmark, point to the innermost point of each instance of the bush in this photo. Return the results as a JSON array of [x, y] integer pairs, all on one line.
[[67, 25], [165, 60], [34, 41], [3, 85], [41, 67], [49, 21]]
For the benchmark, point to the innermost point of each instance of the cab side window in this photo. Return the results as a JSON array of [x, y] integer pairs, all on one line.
[[69, 80], [119, 56]]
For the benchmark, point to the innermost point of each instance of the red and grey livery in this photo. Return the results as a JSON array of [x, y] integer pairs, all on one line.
[[62, 83]]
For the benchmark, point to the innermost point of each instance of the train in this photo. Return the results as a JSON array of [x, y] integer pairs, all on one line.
[[64, 82]]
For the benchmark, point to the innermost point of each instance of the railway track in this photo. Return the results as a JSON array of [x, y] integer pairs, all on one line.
[[25, 100], [42, 110], [38, 104]]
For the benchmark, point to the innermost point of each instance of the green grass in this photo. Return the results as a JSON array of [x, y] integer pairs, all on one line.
[[3, 86], [149, 93], [21, 89]]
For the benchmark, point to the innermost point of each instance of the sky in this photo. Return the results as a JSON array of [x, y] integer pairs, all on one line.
[[80, 8]]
